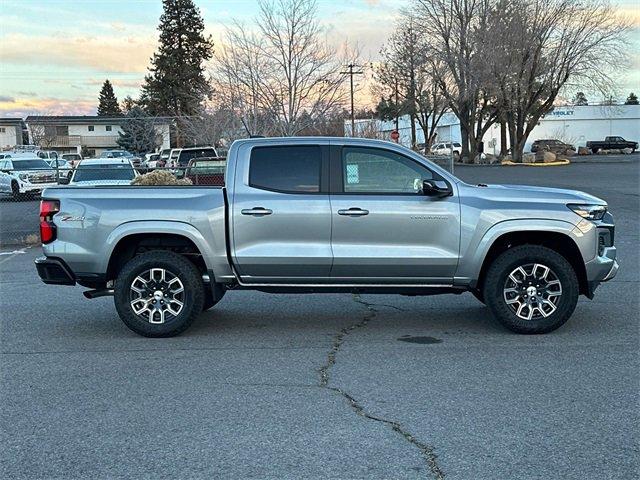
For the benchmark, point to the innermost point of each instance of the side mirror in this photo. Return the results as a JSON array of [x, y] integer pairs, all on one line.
[[64, 180], [431, 189]]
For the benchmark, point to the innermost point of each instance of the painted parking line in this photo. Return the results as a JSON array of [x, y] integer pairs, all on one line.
[[12, 254]]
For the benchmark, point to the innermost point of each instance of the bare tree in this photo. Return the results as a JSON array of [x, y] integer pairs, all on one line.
[[456, 31], [283, 77], [547, 45], [239, 71], [406, 77], [305, 70], [42, 133]]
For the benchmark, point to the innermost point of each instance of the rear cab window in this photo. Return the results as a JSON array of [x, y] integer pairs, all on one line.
[[189, 154], [286, 169]]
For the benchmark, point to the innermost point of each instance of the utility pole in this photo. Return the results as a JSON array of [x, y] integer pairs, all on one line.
[[351, 72]]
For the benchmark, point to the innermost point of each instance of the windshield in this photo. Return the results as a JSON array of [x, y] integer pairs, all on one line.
[[186, 155], [116, 154], [71, 156], [207, 167], [30, 165], [108, 171]]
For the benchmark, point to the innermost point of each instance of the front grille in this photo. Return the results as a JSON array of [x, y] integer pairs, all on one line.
[[41, 179]]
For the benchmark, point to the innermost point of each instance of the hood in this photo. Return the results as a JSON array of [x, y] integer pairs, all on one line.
[[530, 192]]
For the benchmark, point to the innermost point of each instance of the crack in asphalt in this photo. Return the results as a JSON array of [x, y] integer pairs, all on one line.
[[428, 451]]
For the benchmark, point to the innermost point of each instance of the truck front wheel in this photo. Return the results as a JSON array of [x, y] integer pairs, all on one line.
[[159, 294], [531, 289]]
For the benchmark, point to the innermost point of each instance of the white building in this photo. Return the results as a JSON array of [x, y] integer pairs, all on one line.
[[10, 133], [91, 134], [572, 124]]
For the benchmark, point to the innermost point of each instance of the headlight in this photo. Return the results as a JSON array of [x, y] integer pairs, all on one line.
[[590, 212], [24, 177]]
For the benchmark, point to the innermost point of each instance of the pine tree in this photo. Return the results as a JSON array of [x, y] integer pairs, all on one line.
[[632, 99], [176, 84], [108, 103], [138, 133], [580, 99]]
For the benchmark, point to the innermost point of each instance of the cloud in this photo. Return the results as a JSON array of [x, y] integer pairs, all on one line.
[[23, 107], [103, 53], [6, 99]]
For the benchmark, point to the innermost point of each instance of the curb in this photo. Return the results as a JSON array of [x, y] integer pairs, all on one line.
[[548, 164]]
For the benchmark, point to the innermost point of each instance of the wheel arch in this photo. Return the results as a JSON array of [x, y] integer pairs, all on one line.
[[129, 239], [559, 242]]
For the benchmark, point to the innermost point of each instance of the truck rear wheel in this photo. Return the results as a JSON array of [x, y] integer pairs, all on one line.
[[159, 294], [531, 289]]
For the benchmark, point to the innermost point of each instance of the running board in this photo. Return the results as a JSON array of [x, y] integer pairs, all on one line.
[[103, 292]]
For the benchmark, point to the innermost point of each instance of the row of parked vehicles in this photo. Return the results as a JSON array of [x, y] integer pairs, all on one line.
[[612, 142], [26, 173]]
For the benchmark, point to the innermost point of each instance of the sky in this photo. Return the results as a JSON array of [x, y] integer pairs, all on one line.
[[55, 54]]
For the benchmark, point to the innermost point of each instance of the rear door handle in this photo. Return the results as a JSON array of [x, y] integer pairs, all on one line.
[[353, 212], [256, 211]]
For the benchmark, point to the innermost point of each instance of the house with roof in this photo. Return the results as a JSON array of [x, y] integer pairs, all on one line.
[[10, 133], [87, 134]]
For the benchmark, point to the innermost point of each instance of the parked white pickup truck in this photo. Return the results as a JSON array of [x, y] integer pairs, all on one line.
[[312, 215]]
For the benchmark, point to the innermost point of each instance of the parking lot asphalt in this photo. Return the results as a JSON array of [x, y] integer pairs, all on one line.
[[328, 386]]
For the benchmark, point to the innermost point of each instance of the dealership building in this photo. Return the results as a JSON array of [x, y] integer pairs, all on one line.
[[572, 124]]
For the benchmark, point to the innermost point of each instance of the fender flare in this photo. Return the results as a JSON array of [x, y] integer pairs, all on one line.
[[471, 266], [127, 229]]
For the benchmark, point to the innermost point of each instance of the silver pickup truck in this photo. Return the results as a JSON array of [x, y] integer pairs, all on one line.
[[313, 215]]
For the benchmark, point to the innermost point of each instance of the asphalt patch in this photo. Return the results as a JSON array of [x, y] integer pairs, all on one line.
[[420, 340]]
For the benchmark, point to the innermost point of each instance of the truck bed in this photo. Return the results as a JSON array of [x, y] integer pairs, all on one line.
[[92, 220]]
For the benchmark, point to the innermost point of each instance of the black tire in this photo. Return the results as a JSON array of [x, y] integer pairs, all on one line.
[[209, 302], [15, 191], [176, 265], [456, 156], [497, 278]]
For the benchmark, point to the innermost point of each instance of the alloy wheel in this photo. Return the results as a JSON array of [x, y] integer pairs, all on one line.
[[532, 291], [157, 295]]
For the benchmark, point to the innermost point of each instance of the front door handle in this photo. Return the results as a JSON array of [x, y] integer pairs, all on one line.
[[256, 211], [353, 212]]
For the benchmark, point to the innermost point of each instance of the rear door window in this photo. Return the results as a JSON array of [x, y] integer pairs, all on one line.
[[286, 169]]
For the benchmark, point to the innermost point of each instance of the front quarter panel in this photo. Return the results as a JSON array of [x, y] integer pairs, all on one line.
[[487, 215]]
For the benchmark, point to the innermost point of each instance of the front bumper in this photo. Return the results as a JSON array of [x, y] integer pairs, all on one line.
[[54, 271], [602, 268], [34, 187]]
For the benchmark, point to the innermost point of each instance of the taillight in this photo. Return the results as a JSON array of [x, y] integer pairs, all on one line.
[[48, 208]]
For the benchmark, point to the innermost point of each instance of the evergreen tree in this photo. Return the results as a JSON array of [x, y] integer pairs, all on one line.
[[632, 99], [138, 133], [176, 84], [108, 103], [580, 99]]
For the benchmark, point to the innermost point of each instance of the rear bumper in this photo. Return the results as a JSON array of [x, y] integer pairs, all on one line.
[[54, 271]]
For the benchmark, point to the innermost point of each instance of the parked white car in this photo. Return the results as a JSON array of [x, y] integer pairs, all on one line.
[[63, 167], [444, 148], [72, 158], [103, 172], [23, 175], [150, 161]]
